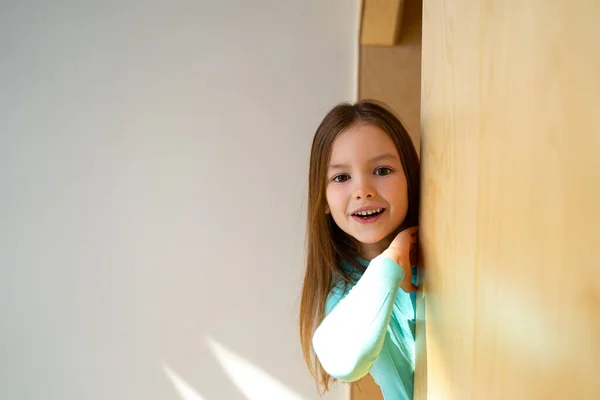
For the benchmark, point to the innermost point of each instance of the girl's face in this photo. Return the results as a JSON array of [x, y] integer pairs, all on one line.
[[366, 187]]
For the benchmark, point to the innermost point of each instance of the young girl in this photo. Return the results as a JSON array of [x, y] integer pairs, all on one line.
[[357, 311]]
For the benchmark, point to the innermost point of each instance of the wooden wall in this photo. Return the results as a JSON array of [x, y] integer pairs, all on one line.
[[511, 199]]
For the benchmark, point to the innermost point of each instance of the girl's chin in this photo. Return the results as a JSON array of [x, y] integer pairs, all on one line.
[[372, 240]]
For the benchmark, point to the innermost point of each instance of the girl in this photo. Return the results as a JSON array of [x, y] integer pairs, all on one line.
[[363, 199]]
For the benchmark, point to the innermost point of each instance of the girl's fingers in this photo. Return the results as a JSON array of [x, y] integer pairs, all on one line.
[[408, 287]]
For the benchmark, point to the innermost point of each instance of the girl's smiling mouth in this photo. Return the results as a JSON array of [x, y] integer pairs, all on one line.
[[368, 215]]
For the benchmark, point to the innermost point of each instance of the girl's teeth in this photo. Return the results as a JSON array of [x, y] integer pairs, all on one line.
[[365, 213]]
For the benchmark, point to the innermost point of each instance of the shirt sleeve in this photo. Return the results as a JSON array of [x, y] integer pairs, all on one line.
[[349, 339]]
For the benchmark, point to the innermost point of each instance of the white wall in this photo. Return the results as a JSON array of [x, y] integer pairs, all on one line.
[[153, 169]]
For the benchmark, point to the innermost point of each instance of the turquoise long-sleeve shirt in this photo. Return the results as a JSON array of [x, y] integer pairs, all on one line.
[[370, 328]]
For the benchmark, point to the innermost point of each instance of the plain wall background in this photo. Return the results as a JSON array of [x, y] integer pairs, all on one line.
[[153, 169]]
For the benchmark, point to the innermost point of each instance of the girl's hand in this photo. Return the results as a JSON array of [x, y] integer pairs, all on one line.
[[403, 251]]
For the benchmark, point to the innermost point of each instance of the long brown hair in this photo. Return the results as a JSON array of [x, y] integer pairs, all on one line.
[[326, 244]]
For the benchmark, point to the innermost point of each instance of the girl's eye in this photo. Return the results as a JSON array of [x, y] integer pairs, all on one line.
[[381, 171], [340, 178]]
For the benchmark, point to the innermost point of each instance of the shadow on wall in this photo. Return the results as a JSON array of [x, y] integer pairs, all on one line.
[[251, 381]]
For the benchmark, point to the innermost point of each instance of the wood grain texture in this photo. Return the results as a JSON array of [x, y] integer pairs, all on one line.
[[510, 199], [381, 22]]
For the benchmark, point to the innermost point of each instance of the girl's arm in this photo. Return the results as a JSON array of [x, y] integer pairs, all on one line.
[[349, 339]]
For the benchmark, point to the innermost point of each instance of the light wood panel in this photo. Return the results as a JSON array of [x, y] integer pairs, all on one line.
[[381, 22], [510, 202]]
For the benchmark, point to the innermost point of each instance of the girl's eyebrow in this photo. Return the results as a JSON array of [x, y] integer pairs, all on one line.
[[382, 157]]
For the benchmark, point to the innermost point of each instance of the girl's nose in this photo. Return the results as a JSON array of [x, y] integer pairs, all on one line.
[[364, 192]]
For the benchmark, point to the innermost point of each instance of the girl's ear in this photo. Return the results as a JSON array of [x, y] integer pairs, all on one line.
[[327, 210]]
